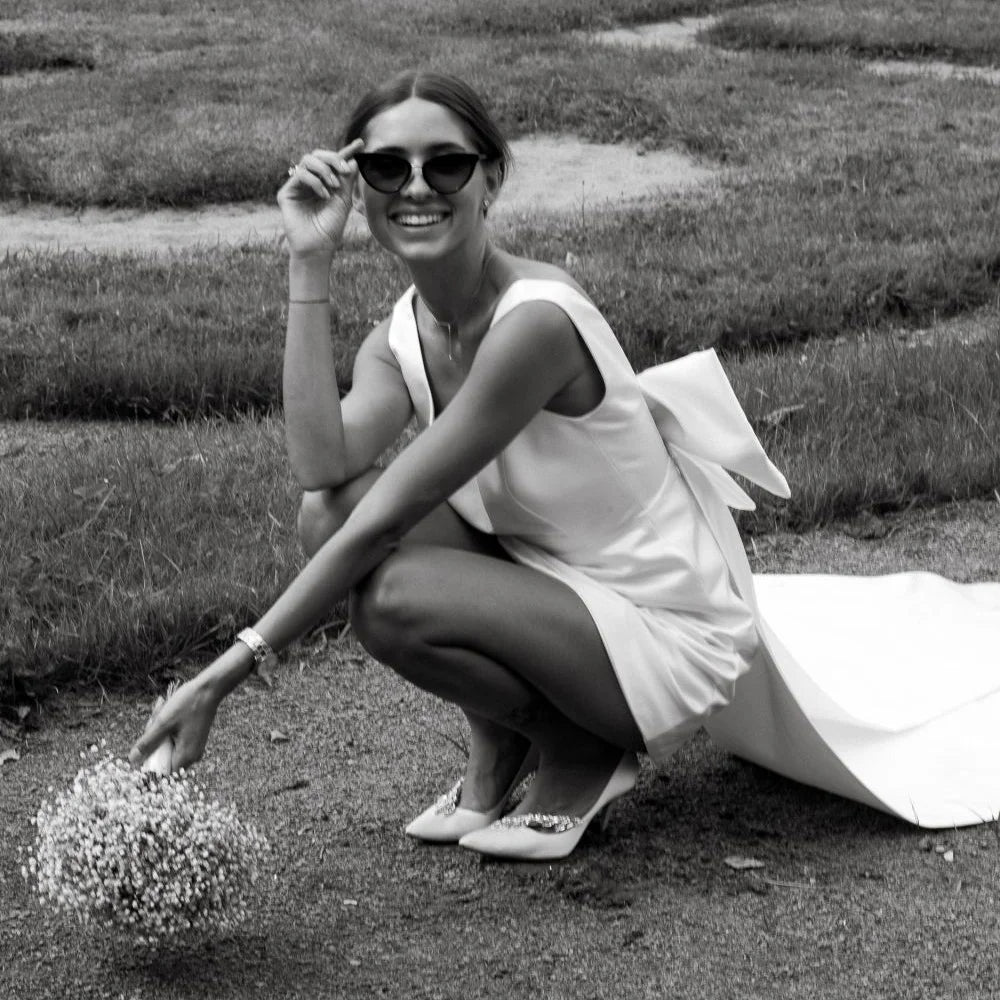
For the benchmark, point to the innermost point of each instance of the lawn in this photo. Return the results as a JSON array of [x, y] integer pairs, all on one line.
[[847, 207]]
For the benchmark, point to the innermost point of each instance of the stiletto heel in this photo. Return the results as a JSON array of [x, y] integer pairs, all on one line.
[[446, 822], [547, 837], [604, 817]]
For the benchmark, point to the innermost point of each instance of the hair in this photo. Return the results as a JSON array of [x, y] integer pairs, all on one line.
[[448, 91]]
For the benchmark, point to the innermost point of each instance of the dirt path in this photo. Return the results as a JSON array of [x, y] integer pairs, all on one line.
[[552, 174], [682, 34]]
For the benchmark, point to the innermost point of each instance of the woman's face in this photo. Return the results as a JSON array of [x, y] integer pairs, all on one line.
[[417, 223]]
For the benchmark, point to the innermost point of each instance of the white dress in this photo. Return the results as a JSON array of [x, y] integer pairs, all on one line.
[[629, 506]]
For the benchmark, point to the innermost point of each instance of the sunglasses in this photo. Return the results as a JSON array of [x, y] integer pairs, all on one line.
[[446, 173]]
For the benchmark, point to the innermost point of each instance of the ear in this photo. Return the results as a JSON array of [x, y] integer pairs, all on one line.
[[494, 180]]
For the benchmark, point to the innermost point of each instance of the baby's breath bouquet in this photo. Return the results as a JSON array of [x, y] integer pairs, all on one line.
[[143, 852]]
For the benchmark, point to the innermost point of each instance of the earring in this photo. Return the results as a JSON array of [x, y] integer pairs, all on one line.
[[486, 205]]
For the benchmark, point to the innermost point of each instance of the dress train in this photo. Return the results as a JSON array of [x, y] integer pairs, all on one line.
[[883, 689]]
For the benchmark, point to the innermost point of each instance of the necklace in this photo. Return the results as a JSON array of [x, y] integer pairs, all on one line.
[[452, 328]]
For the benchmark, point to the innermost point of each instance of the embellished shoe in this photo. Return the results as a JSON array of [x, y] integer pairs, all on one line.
[[446, 822], [546, 837]]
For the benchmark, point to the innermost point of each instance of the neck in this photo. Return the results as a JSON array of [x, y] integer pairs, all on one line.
[[450, 286]]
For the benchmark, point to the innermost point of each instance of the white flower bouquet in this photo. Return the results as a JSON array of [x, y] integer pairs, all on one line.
[[145, 853]]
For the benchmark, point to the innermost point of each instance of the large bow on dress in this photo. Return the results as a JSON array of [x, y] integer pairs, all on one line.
[[707, 432]]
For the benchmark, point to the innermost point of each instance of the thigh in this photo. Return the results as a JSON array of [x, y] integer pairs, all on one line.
[[323, 512], [532, 624]]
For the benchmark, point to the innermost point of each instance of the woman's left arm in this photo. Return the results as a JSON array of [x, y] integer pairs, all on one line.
[[522, 362]]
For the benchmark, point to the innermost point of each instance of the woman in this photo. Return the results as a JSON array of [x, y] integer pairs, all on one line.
[[536, 555]]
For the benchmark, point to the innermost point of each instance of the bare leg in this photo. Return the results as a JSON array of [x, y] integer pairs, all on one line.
[[496, 751], [511, 645]]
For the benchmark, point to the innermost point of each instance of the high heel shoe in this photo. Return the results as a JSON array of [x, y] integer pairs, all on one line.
[[446, 822], [546, 837]]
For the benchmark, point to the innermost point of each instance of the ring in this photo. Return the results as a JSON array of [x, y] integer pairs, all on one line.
[[293, 170]]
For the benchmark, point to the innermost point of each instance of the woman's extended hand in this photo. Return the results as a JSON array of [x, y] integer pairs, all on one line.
[[316, 200], [184, 719]]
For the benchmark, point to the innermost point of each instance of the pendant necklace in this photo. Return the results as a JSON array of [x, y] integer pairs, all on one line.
[[452, 328]]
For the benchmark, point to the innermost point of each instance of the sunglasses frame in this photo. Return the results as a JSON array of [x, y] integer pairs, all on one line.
[[410, 164]]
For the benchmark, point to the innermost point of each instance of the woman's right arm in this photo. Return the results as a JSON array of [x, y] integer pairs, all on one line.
[[330, 441]]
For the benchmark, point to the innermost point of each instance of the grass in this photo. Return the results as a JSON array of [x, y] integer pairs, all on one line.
[[818, 253], [153, 543], [210, 104], [144, 553], [24, 52], [962, 31], [139, 336], [875, 426], [847, 205]]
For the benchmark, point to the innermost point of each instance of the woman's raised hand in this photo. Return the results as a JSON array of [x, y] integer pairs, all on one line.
[[316, 200]]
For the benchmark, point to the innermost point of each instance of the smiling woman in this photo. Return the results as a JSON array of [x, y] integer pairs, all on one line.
[[554, 551]]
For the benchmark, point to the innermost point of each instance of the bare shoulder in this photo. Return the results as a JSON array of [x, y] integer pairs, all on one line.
[[375, 346], [523, 268], [376, 365], [538, 321], [536, 331]]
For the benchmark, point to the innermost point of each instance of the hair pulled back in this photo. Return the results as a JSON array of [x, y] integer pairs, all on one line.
[[439, 88]]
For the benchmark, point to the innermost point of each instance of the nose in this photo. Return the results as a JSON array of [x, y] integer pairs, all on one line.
[[416, 186]]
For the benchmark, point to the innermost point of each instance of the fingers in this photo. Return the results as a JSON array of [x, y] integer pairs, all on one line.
[[151, 737], [167, 753], [324, 171], [146, 744], [351, 148]]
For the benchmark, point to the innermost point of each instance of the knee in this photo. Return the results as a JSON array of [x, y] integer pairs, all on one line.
[[321, 513], [385, 611]]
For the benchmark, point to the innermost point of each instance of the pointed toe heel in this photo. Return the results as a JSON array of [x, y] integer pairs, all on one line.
[[446, 822], [547, 837]]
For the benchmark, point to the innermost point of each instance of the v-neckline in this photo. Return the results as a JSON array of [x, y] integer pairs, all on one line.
[[432, 411]]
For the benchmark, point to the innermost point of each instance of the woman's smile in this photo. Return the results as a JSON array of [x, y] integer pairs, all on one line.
[[411, 219]]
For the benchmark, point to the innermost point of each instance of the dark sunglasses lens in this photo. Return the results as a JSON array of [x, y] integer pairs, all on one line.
[[450, 172], [384, 172]]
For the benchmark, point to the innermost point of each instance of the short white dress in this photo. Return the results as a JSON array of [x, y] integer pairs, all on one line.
[[629, 506]]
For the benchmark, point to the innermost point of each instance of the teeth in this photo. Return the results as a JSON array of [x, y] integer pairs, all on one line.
[[419, 220]]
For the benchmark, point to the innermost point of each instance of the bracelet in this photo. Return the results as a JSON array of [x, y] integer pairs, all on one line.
[[309, 302], [263, 655]]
